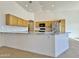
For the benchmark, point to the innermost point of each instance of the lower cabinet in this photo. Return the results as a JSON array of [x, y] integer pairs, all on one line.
[[18, 41], [40, 43], [11, 40], [46, 44]]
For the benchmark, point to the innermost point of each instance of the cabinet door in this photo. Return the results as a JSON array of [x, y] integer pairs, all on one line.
[[62, 26], [14, 20], [19, 22], [7, 19], [10, 40], [25, 23], [37, 24], [48, 23], [48, 26], [11, 20]]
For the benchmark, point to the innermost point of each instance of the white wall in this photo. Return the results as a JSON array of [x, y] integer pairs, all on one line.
[[63, 10], [14, 9], [72, 21], [44, 15]]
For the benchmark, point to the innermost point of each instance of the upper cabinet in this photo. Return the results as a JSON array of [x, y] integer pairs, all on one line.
[[36, 26], [15, 21], [62, 25], [55, 25], [46, 24], [31, 26], [10, 20]]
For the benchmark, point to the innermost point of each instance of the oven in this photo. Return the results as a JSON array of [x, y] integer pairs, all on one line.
[[42, 27]]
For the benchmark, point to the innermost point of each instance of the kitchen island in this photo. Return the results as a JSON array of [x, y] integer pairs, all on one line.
[[46, 43], [49, 43]]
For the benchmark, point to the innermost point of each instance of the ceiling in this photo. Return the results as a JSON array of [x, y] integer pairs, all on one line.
[[38, 6]]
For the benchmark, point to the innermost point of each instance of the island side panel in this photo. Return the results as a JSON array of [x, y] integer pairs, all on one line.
[[61, 43]]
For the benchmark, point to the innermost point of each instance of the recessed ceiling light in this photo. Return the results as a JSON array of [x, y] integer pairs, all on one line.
[[26, 5], [52, 5]]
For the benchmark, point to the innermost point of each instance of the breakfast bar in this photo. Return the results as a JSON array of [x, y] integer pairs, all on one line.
[[45, 43], [48, 43]]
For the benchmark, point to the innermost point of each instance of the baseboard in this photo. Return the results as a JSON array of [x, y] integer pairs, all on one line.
[[77, 39]]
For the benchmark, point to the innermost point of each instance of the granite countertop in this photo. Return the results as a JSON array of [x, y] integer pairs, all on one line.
[[51, 33], [37, 33]]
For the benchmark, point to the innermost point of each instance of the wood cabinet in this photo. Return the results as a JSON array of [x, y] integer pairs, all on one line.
[[10, 20], [15, 21], [20, 22], [62, 25], [31, 26], [38, 22], [48, 25], [25, 23]]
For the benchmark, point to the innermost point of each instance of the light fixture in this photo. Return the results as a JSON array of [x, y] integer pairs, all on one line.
[[30, 1], [52, 5], [26, 5]]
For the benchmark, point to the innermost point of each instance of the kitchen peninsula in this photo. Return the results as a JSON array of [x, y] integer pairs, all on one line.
[[48, 43], [42, 37], [51, 44]]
